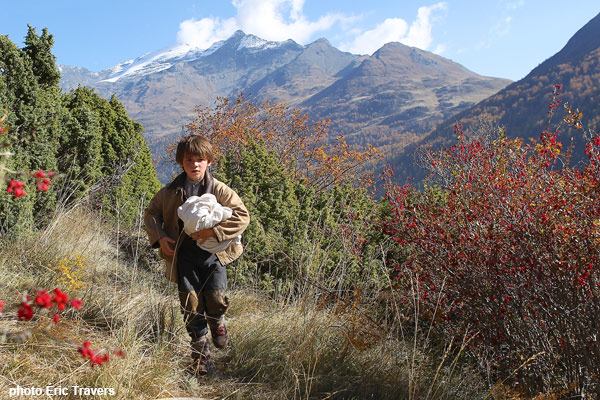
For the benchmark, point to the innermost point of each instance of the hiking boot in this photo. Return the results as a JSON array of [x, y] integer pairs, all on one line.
[[218, 331], [199, 367], [200, 356]]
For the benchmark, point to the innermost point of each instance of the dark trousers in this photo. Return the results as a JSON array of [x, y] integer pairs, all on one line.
[[202, 284]]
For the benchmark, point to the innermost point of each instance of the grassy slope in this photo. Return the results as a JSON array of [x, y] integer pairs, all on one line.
[[278, 349]]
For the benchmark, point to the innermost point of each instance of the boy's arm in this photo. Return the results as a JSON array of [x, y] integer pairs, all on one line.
[[202, 235], [240, 218], [153, 219]]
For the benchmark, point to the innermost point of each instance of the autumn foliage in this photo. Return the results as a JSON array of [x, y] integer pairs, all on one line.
[[505, 244], [301, 144]]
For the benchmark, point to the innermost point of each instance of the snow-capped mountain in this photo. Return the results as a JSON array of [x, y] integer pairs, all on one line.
[[153, 62], [161, 60], [398, 91]]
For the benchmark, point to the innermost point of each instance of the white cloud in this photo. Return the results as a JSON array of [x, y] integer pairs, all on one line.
[[284, 19], [279, 19], [205, 32], [269, 19], [390, 30], [397, 30]]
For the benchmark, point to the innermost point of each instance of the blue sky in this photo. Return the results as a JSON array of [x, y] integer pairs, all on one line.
[[502, 38]]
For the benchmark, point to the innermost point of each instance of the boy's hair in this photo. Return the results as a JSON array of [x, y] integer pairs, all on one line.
[[196, 145]]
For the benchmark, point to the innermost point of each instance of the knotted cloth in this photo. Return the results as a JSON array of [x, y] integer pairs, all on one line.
[[203, 212]]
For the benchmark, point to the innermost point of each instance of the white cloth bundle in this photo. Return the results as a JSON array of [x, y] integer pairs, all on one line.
[[205, 212]]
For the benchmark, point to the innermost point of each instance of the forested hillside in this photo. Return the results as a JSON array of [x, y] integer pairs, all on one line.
[[521, 108]]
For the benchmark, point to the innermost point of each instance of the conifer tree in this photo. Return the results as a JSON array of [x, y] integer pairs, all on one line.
[[32, 118], [39, 50], [81, 141], [102, 142], [295, 230], [79, 134]]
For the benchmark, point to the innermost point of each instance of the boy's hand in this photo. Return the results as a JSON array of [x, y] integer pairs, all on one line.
[[202, 235], [167, 245]]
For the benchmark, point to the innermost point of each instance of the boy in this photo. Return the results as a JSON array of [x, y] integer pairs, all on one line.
[[200, 276]]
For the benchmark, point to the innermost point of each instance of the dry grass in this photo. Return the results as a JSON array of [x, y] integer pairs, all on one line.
[[125, 307], [303, 350], [278, 349]]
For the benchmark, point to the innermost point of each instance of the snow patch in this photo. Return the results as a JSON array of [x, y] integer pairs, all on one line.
[[157, 61], [164, 59], [254, 42]]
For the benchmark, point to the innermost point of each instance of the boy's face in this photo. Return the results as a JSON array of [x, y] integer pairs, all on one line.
[[194, 166]]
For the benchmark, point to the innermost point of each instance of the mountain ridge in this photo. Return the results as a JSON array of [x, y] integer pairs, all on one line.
[[388, 99]]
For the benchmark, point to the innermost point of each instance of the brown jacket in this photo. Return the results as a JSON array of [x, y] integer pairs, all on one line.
[[161, 220]]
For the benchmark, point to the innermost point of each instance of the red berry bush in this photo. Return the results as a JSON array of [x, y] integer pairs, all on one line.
[[16, 187], [506, 245], [56, 301]]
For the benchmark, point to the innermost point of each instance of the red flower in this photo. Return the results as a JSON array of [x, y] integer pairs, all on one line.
[[60, 298], [87, 352], [15, 187], [1, 305], [99, 360], [56, 318], [76, 303], [16, 183], [43, 299], [25, 312], [39, 174]]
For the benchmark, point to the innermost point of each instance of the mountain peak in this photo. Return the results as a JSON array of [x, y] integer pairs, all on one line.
[[321, 41], [395, 48], [166, 58], [240, 40]]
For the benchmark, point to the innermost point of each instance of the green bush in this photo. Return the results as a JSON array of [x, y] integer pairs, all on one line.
[[299, 238], [79, 136]]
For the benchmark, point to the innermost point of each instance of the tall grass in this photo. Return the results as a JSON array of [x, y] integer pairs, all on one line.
[[307, 347], [303, 350]]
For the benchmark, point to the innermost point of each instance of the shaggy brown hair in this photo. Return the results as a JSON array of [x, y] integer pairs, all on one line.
[[196, 145]]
